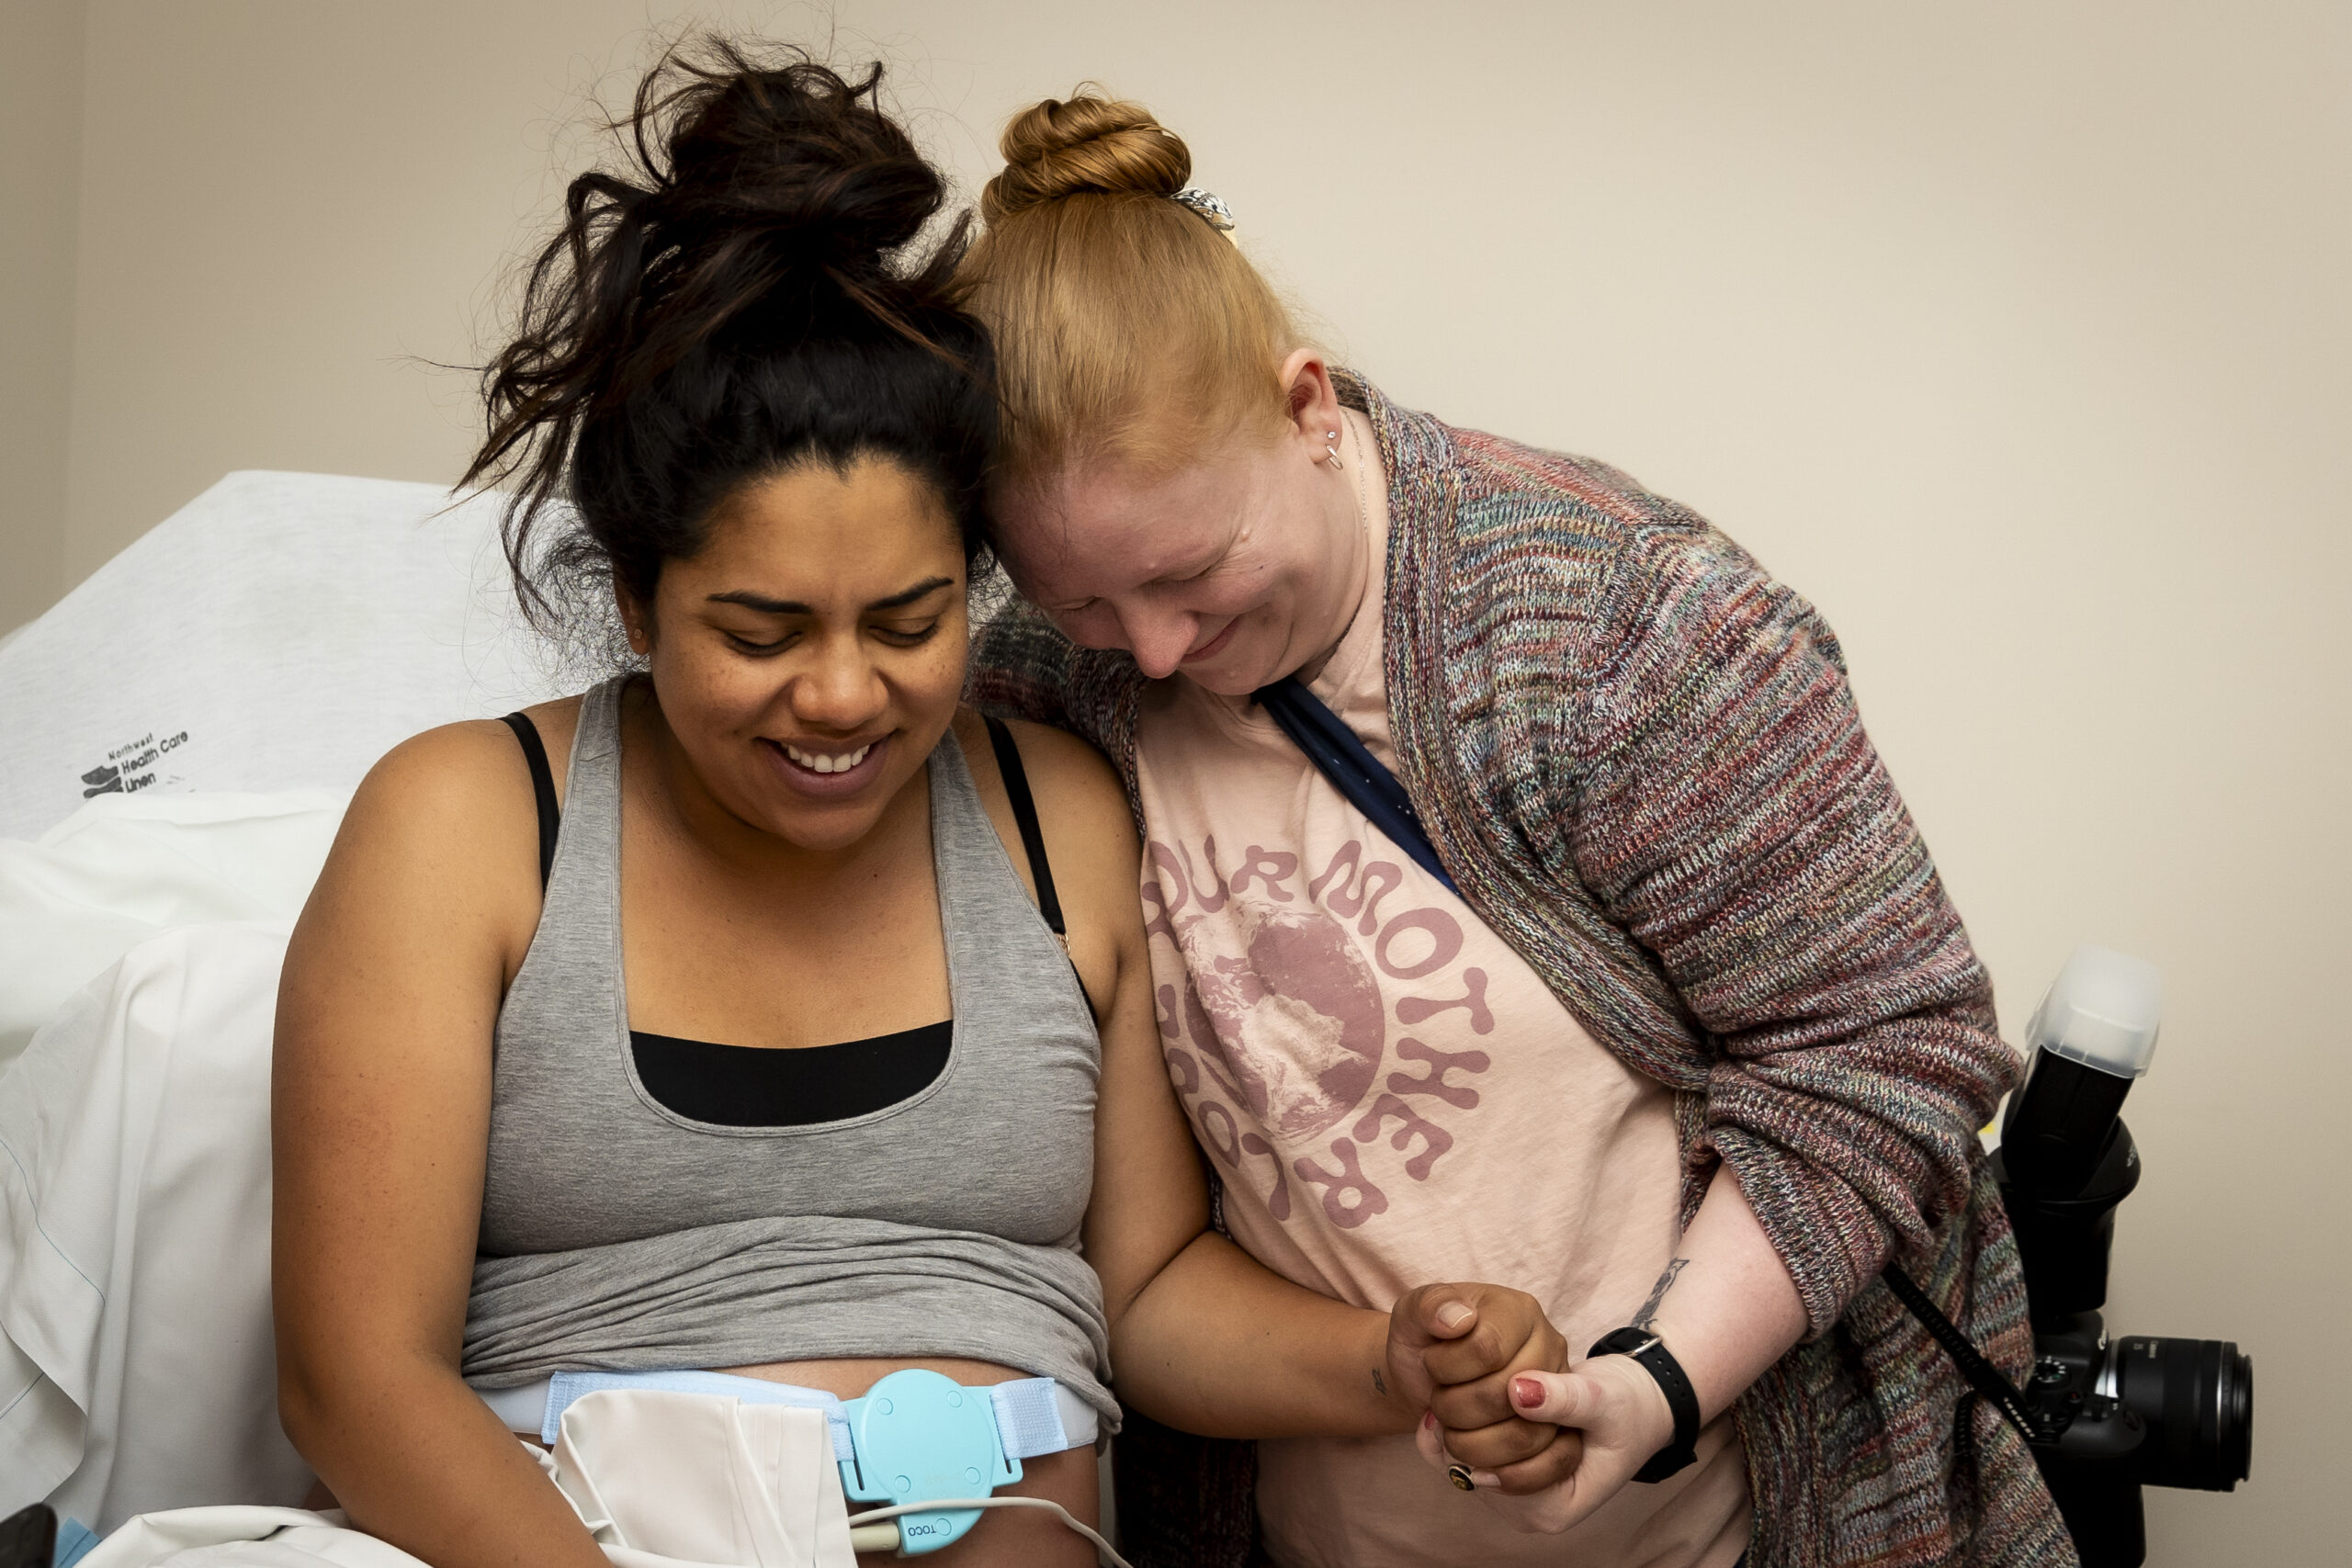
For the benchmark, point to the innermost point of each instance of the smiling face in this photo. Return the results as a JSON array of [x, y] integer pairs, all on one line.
[[1235, 569], [810, 655]]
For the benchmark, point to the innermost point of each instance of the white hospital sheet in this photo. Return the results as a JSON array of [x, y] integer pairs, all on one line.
[[127, 867], [136, 1366], [280, 631], [258, 1538]]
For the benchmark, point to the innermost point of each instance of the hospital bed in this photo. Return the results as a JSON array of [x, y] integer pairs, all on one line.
[[177, 739]]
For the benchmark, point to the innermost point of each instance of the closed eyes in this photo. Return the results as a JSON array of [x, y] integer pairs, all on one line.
[[896, 637], [1167, 581]]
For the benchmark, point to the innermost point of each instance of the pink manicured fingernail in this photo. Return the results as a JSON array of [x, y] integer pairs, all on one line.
[[1526, 1392], [1452, 1314], [1428, 1420], [1485, 1478]]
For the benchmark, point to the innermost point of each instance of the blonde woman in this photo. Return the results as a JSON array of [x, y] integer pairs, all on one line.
[[1636, 1007]]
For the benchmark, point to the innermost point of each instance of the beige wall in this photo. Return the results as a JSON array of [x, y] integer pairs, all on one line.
[[40, 162], [2016, 334]]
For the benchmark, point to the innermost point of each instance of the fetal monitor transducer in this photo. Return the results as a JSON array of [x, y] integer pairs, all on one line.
[[928, 1451], [931, 1451]]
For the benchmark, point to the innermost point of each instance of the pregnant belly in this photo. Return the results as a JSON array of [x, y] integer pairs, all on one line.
[[1018, 1539], [850, 1376]]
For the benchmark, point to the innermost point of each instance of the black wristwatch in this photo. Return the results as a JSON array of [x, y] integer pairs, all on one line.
[[1659, 1362]]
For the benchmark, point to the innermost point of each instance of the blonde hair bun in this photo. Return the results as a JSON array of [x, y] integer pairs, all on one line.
[[1128, 330], [1083, 144]]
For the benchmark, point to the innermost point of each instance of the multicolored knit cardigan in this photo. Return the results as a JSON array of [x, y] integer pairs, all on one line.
[[1638, 757]]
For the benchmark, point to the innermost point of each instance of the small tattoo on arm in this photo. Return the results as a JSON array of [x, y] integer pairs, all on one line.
[[1648, 1314], [1379, 1383]]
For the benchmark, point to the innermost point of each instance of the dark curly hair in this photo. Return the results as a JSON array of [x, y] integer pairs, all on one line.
[[744, 295]]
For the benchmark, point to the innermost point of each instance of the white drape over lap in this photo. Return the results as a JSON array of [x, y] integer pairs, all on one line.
[[125, 868], [134, 1238]]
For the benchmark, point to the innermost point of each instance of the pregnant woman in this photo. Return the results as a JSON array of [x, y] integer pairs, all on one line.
[[658, 1069], [1632, 991]]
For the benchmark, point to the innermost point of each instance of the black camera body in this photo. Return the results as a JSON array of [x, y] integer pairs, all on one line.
[[2109, 1415]]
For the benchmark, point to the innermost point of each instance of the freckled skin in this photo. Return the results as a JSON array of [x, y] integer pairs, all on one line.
[[1242, 565]]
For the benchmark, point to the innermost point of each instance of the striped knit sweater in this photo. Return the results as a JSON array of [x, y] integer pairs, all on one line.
[[1638, 757]]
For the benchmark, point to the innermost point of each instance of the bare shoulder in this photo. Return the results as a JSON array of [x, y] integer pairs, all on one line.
[[1090, 837], [438, 780], [1066, 773], [458, 774], [445, 823], [1080, 797]]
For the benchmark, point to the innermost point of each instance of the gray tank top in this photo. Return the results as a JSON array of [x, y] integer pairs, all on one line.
[[617, 1234]]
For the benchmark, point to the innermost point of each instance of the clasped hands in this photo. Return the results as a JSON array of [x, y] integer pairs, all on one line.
[[1547, 1438]]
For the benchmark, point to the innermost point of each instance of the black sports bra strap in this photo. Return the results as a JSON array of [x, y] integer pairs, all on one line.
[[1025, 812], [534, 752]]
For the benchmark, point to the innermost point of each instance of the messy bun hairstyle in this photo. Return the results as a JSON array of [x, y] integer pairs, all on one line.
[[1087, 144], [1126, 327], [742, 296]]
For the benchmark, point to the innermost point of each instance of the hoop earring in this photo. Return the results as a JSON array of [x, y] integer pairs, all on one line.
[[1331, 449]]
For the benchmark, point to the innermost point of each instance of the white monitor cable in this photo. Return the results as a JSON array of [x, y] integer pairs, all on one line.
[[876, 1521]]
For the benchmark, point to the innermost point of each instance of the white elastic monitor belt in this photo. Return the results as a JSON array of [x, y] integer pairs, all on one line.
[[1034, 1415]]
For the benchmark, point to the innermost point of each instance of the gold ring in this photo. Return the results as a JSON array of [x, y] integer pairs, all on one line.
[[1459, 1475]]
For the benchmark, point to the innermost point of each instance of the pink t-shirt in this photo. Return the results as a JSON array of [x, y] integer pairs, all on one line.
[[1394, 1098]]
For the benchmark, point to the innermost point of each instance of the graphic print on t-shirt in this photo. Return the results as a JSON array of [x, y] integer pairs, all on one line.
[[1284, 1018], [1391, 1097]]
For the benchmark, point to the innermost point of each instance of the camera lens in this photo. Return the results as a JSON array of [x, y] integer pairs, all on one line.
[[2196, 1396]]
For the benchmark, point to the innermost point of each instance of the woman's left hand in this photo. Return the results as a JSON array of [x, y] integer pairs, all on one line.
[[1611, 1402]]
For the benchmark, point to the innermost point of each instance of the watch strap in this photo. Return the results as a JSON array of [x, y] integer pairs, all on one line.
[[1650, 1351]]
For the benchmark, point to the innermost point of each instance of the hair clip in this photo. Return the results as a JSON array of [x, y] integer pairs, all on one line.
[[1214, 213]]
